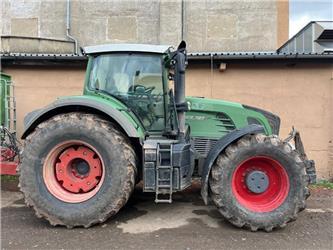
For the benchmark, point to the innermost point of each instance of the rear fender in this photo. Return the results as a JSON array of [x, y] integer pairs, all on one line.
[[221, 145], [34, 118]]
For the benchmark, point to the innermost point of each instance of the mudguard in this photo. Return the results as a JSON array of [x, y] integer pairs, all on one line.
[[59, 106], [218, 148]]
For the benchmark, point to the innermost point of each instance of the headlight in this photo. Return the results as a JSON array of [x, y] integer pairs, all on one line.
[[273, 120]]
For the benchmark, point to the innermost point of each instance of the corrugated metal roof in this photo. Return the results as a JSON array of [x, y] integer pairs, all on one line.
[[190, 55], [258, 55], [40, 59], [39, 55], [263, 53]]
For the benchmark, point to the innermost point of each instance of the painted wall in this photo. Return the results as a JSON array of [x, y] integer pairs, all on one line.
[[37, 87], [302, 95]]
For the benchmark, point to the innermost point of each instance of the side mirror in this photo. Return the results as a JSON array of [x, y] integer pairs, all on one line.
[[182, 45]]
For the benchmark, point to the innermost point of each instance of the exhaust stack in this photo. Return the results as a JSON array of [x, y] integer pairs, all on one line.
[[181, 104]]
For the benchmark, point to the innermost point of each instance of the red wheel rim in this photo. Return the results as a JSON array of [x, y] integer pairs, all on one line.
[[275, 193], [73, 171]]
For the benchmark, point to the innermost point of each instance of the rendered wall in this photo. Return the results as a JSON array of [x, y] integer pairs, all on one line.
[[302, 95]]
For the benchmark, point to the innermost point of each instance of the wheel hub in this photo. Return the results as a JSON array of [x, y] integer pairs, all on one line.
[[80, 166], [257, 181], [78, 170], [260, 183]]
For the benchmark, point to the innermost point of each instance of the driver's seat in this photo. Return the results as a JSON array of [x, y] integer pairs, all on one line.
[[121, 81]]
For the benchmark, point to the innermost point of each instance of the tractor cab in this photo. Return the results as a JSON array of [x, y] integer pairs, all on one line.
[[137, 76]]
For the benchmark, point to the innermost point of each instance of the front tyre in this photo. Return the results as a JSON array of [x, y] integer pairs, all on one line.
[[77, 170], [259, 182]]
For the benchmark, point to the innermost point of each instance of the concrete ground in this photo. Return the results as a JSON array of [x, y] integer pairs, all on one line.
[[185, 224]]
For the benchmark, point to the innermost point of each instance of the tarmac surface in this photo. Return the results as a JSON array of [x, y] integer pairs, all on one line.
[[185, 224]]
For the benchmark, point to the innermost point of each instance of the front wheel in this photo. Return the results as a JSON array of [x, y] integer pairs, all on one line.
[[77, 170], [259, 182]]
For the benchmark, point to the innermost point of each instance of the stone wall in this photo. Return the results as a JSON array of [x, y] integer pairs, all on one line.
[[220, 25]]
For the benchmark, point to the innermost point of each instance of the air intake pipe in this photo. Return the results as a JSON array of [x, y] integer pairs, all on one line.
[[181, 105]]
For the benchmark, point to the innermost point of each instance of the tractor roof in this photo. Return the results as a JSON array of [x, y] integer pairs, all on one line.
[[104, 48]]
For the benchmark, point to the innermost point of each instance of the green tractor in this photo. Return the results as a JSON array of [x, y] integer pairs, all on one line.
[[83, 155]]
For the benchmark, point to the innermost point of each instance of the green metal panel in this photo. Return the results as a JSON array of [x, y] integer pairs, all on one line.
[[112, 103], [4, 94], [206, 117]]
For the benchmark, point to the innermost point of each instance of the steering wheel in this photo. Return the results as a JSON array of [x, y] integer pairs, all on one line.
[[147, 90]]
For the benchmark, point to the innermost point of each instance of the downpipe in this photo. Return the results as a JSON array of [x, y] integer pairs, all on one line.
[[68, 27]]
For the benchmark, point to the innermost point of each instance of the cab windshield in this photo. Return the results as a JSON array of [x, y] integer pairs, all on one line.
[[134, 79]]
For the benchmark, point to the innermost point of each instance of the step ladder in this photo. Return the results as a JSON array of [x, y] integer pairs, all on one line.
[[10, 106], [164, 184]]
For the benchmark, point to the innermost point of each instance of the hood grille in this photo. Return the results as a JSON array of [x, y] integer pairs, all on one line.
[[225, 122], [203, 145], [224, 125]]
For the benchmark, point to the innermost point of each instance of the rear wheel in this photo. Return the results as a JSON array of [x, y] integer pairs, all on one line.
[[77, 170], [259, 182]]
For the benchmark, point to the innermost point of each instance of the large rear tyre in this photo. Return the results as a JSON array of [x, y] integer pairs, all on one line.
[[77, 170], [259, 182]]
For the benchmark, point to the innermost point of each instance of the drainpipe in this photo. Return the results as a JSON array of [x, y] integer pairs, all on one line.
[[182, 19], [68, 27]]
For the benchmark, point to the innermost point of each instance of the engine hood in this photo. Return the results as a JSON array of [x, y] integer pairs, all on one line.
[[214, 118], [207, 104]]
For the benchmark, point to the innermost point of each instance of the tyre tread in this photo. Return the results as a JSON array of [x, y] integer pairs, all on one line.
[[100, 125], [229, 154]]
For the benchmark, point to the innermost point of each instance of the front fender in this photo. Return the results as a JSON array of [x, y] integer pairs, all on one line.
[[34, 118], [220, 145]]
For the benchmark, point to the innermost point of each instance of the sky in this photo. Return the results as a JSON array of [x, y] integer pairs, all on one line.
[[301, 12]]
